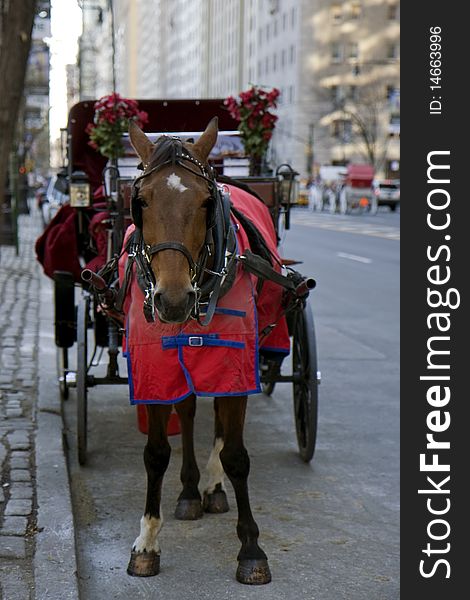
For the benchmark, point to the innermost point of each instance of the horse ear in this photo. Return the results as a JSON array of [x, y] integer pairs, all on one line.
[[140, 142], [207, 140]]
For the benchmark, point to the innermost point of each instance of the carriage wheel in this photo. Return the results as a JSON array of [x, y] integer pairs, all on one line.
[[82, 377], [62, 355], [304, 365]]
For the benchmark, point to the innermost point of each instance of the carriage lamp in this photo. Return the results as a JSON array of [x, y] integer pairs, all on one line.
[[288, 184], [80, 195]]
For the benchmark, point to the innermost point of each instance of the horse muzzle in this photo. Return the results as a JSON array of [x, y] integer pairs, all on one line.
[[174, 307]]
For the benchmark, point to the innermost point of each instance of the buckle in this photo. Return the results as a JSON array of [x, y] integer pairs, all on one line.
[[195, 340]]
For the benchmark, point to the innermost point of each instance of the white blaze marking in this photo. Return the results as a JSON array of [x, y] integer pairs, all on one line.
[[173, 181], [361, 259], [214, 467], [149, 530]]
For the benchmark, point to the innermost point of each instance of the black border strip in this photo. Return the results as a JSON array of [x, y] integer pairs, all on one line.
[[424, 132]]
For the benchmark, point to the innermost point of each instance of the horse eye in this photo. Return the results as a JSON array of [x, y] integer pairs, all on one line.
[[206, 203], [142, 202]]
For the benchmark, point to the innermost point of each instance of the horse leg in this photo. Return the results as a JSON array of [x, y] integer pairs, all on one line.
[[215, 498], [188, 507], [145, 555], [253, 566]]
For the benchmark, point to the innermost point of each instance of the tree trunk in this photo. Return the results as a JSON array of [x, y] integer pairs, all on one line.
[[15, 41]]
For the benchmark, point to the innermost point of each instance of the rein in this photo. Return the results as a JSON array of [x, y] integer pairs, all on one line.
[[219, 233]]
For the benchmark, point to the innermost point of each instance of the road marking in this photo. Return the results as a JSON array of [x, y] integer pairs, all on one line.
[[346, 225], [361, 259]]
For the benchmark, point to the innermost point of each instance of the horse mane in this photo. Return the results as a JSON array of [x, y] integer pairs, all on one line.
[[167, 149]]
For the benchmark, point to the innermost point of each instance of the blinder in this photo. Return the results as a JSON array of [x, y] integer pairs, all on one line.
[[136, 208]]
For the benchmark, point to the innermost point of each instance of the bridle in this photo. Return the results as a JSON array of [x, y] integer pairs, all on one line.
[[219, 235]]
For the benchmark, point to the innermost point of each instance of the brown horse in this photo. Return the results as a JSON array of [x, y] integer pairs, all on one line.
[[173, 206]]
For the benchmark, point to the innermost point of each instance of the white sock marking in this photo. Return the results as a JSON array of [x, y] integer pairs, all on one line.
[[173, 181], [149, 529], [214, 467]]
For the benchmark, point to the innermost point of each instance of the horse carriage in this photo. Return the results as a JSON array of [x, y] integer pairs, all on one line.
[[183, 251], [357, 192]]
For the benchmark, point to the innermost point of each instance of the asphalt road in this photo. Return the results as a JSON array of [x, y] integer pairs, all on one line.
[[331, 528]]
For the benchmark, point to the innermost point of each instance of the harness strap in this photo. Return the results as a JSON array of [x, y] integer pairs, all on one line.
[[214, 297], [155, 248], [261, 268], [122, 292]]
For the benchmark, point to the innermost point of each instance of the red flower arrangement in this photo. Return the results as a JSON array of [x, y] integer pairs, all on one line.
[[256, 122], [111, 120]]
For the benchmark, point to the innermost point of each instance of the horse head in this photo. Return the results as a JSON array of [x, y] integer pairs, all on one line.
[[173, 198]]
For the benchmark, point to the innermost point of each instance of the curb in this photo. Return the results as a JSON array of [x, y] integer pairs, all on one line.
[[55, 561]]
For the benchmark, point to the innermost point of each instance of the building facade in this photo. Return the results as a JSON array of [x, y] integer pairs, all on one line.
[[335, 62]]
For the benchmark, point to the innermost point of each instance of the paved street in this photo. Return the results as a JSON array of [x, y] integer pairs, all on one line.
[[330, 529]]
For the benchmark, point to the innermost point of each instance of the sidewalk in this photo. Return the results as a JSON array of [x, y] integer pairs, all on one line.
[[37, 545]]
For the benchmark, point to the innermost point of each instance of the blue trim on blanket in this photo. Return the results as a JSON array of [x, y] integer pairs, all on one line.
[[174, 401], [255, 313], [187, 374], [276, 350], [198, 394], [230, 311], [130, 380]]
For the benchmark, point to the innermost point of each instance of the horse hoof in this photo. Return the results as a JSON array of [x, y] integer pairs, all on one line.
[[253, 572], [188, 510], [144, 564], [215, 502]]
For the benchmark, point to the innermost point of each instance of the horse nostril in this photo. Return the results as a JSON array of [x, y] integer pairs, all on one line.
[[158, 300], [191, 299]]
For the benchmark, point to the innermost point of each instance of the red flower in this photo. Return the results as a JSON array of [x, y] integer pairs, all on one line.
[[111, 118], [256, 123]]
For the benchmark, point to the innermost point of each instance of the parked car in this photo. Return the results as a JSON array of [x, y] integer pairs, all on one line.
[[387, 192], [56, 195]]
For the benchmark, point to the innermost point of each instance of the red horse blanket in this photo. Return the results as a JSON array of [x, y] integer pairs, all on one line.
[[166, 363]]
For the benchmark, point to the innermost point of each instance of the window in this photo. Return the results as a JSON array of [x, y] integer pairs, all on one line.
[[292, 17], [284, 21], [392, 10], [336, 53], [356, 10], [283, 57], [336, 13], [393, 52], [341, 129], [291, 94], [273, 6], [394, 126], [274, 62], [266, 65], [291, 54], [353, 51], [393, 97], [268, 32]]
